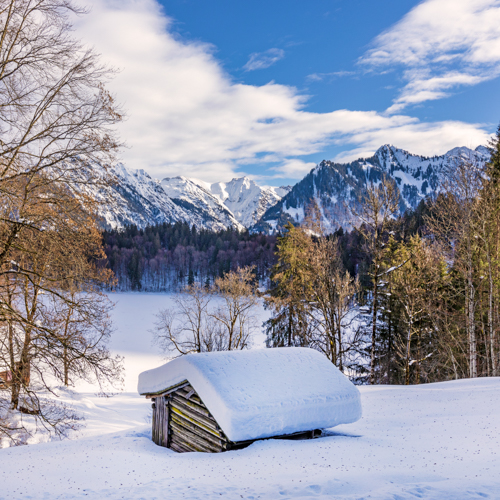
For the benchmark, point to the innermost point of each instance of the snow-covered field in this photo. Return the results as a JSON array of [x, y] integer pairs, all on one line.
[[437, 441]]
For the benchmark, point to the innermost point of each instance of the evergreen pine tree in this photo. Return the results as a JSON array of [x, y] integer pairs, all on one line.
[[291, 279]]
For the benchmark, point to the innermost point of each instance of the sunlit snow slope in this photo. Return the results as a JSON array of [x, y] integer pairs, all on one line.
[[436, 441]]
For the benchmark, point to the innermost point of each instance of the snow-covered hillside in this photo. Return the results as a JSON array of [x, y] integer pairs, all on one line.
[[135, 197], [246, 200], [436, 441], [335, 186]]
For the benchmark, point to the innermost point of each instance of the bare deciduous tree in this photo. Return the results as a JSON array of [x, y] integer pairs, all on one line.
[[334, 308], [236, 316], [188, 327], [55, 121], [199, 323]]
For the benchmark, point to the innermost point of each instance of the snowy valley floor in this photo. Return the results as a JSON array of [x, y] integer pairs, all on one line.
[[436, 441]]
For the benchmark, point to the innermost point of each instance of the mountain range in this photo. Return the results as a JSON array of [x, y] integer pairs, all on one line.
[[136, 198]]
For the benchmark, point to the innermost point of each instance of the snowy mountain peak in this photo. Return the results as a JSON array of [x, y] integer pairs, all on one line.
[[235, 188], [481, 153], [195, 197], [137, 198], [246, 200]]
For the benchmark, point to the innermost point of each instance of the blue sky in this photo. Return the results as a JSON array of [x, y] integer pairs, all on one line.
[[219, 89]]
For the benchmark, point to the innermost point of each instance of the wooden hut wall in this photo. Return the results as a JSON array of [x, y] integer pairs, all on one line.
[[160, 420], [183, 423]]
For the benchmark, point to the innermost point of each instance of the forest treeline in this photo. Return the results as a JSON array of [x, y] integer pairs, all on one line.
[[166, 257]]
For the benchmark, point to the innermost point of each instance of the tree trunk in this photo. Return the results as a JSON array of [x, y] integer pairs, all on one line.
[[471, 327], [374, 328], [419, 359], [491, 329], [407, 360]]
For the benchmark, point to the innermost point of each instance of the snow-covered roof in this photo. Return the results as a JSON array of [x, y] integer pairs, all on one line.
[[263, 392]]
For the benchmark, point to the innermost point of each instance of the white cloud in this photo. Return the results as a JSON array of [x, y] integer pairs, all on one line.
[[427, 139], [293, 168], [443, 44], [187, 116], [319, 77], [262, 60]]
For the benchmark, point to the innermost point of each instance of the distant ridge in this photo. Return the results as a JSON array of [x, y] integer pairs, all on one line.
[[333, 186]]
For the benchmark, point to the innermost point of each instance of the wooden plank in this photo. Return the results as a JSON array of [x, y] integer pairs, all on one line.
[[179, 440], [153, 423], [166, 422], [192, 406], [194, 439], [160, 421], [188, 422], [178, 448], [197, 424], [216, 440], [194, 417], [179, 443], [194, 397]]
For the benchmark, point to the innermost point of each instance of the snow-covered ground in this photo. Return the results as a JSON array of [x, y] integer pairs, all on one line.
[[436, 441]]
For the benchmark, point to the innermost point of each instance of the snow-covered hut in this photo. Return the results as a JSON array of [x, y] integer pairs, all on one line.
[[218, 401]]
